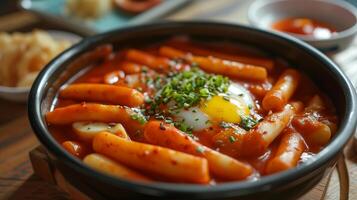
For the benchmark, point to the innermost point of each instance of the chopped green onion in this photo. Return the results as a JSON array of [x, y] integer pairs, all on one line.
[[225, 125], [248, 123], [188, 88], [226, 98], [200, 149], [232, 139], [162, 127]]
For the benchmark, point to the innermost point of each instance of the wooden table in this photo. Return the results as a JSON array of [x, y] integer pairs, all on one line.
[[17, 180]]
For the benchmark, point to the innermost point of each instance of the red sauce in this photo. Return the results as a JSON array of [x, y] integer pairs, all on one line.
[[305, 26]]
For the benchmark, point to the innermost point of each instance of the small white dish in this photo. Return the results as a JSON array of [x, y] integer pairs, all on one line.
[[20, 94], [339, 14]]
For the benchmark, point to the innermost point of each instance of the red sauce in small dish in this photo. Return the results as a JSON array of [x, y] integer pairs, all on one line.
[[305, 26]]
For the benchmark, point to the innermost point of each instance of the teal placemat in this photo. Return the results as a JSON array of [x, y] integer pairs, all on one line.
[[55, 10]]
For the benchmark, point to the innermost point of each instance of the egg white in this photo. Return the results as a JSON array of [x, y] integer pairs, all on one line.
[[198, 120], [237, 91]]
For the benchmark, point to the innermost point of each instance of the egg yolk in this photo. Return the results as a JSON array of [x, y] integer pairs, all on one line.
[[221, 109]]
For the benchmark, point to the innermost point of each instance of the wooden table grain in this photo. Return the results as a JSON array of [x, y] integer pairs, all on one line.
[[17, 180]]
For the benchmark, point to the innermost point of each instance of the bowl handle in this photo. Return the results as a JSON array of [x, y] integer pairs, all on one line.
[[343, 177]]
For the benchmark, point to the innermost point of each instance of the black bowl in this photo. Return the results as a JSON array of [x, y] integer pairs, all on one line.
[[286, 185]]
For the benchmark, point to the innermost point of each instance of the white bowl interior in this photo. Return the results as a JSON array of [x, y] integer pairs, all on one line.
[[18, 94]]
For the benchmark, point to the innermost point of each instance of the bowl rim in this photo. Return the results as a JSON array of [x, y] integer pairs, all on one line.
[[352, 30], [38, 124], [14, 90]]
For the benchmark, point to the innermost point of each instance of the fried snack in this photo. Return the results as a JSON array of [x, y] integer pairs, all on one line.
[[88, 8], [23, 55]]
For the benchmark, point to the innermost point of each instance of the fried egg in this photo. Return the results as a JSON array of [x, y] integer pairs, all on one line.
[[224, 107]]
